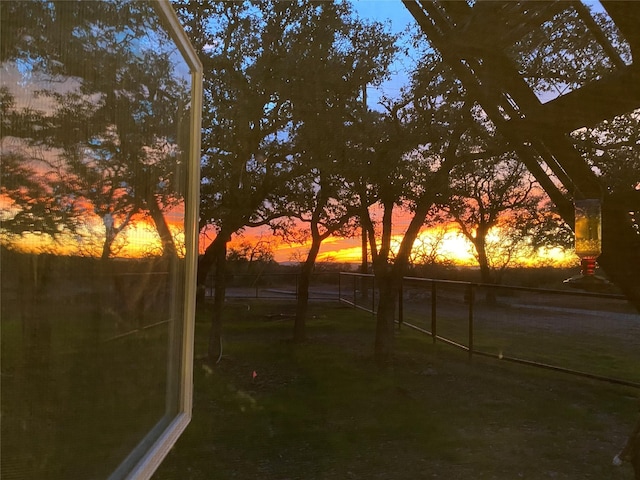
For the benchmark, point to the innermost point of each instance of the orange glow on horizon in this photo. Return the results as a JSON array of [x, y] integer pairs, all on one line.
[[139, 239], [454, 247]]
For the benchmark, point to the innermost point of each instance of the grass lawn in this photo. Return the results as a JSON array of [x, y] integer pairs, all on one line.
[[322, 410]]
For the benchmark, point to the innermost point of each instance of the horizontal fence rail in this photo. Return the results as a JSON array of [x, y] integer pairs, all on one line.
[[323, 285], [593, 335]]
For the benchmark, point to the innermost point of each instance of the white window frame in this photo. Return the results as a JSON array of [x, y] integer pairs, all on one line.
[[147, 456]]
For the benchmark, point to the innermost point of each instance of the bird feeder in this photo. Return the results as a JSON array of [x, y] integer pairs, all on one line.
[[588, 244]]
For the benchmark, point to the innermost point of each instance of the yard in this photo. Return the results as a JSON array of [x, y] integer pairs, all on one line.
[[322, 410]]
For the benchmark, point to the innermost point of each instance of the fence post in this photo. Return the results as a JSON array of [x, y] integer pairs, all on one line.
[[434, 334], [471, 302], [400, 306], [373, 295], [364, 291], [354, 291], [339, 286], [297, 276]]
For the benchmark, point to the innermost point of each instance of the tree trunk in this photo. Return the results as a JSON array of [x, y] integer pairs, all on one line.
[[364, 267], [388, 277], [485, 270], [388, 286], [109, 237], [205, 262], [215, 335], [106, 250], [299, 326], [483, 263], [168, 245]]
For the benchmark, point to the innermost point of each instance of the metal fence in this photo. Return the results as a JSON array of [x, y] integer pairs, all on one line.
[[591, 335], [323, 285]]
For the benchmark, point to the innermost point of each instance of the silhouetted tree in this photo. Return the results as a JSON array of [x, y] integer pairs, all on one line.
[[427, 249], [244, 48], [324, 84], [420, 139], [497, 195], [271, 94], [38, 203]]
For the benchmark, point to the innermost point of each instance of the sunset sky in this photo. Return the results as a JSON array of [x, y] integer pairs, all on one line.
[[141, 237], [454, 247]]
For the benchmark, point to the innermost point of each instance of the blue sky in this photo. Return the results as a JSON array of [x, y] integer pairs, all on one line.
[[395, 13], [381, 10]]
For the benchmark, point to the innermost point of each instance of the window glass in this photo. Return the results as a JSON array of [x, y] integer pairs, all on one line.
[[97, 250]]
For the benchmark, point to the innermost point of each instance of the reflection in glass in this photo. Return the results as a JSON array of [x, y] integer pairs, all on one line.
[[95, 102]]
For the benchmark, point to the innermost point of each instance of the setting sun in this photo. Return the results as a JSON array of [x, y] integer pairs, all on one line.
[[447, 243]]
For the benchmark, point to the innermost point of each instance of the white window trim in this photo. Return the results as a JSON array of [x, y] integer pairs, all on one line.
[[158, 444]]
